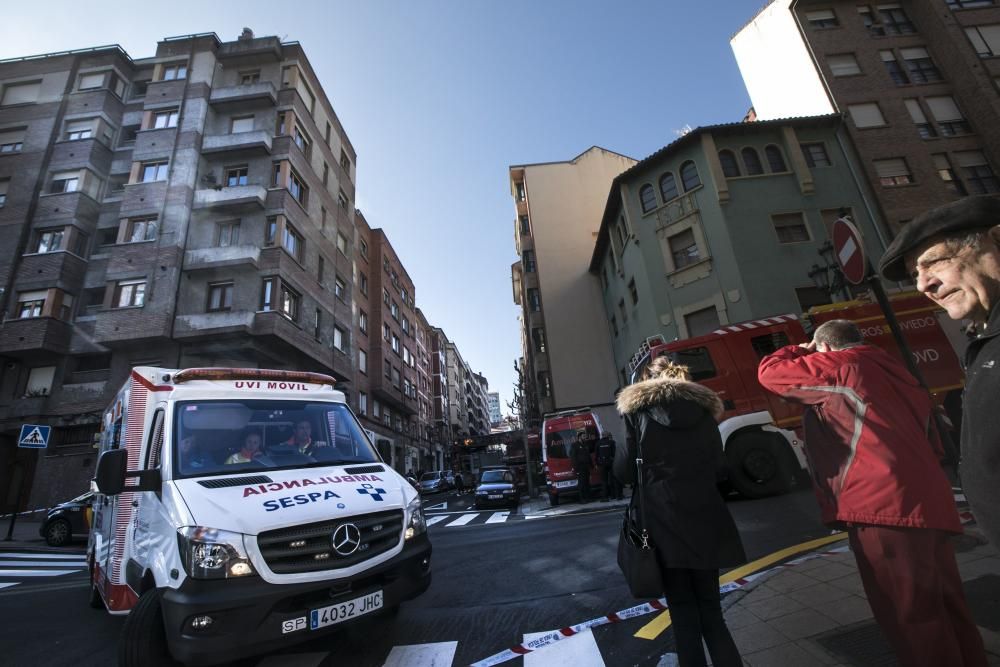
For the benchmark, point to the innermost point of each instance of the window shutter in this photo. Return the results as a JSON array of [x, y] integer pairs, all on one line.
[[21, 93], [12, 136], [91, 80], [35, 295], [820, 15], [970, 159], [944, 109], [916, 113], [887, 56], [843, 65], [891, 168], [79, 125], [914, 53], [990, 34], [866, 115]]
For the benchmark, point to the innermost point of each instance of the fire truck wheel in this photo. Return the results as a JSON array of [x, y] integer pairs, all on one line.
[[143, 641], [757, 465]]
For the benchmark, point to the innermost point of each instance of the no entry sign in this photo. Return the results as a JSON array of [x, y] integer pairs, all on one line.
[[850, 251]]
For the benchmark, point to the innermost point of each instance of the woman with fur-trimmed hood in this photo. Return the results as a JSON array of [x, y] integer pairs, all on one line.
[[674, 419]]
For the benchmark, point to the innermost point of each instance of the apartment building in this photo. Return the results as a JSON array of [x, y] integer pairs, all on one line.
[[458, 418], [193, 208], [496, 417], [567, 360], [725, 225], [917, 82], [440, 401], [432, 442]]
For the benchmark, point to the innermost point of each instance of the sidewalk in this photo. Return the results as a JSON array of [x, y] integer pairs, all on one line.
[[816, 612], [540, 506]]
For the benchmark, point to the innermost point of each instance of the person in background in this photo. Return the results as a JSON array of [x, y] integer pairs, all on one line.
[[610, 488], [675, 422], [952, 253], [875, 453], [251, 449], [459, 482], [580, 455], [191, 455]]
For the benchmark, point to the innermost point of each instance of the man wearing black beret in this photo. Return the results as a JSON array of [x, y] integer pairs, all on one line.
[[952, 253]]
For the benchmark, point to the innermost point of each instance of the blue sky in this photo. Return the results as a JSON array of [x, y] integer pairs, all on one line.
[[439, 97]]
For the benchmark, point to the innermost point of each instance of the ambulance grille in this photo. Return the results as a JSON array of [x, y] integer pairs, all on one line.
[[364, 470], [223, 482], [309, 547]]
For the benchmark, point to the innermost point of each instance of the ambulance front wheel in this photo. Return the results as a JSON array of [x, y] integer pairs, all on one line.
[[758, 466], [143, 641], [95, 601]]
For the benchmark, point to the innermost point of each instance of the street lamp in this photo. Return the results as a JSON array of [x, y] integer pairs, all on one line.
[[828, 277]]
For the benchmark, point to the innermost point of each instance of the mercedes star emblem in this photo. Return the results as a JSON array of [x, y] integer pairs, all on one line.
[[346, 539]]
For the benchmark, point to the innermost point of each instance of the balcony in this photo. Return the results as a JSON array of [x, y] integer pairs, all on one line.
[[203, 259], [250, 50], [35, 334], [676, 210], [210, 324], [261, 93], [273, 323], [239, 197], [245, 143]]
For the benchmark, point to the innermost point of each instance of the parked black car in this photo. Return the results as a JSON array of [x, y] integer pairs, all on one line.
[[67, 520], [496, 488]]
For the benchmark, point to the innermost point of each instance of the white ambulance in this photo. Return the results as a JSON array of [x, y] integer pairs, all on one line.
[[242, 510]]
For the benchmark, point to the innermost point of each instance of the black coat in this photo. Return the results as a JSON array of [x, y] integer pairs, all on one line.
[[675, 422], [980, 467]]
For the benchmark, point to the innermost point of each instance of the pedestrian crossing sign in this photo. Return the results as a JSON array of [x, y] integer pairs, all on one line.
[[34, 436]]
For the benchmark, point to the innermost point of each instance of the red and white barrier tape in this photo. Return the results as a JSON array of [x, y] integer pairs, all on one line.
[[634, 612]]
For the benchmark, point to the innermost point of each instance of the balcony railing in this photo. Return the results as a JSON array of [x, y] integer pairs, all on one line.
[[675, 210], [258, 140], [250, 196], [263, 91], [210, 258]]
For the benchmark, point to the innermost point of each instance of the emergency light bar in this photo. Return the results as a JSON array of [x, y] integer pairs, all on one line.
[[190, 374]]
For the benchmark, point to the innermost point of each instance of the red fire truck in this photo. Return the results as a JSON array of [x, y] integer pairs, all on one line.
[[760, 431], [559, 432]]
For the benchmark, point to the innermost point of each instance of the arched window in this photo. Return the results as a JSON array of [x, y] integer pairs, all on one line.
[[689, 176], [752, 161], [668, 187], [647, 198], [730, 168], [775, 160]]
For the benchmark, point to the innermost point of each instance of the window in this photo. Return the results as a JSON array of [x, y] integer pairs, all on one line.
[[386, 332], [364, 248], [345, 162], [689, 176], [985, 39], [301, 139], [646, 198], [843, 64], [91, 81], [75, 131], [20, 93], [250, 77], [730, 167], [50, 241], [869, 20], [538, 338], [339, 288], [751, 160], [528, 259], [174, 72], [363, 361], [281, 127], [128, 135], [668, 186], [342, 200], [920, 66], [395, 377], [894, 69], [65, 182], [107, 236], [683, 249], [220, 296], [241, 124], [385, 296], [544, 384], [790, 227], [363, 280], [141, 229], [270, 231], [139, 89], [633, 292], [769, 343], [519, 192], [950, 120], [339, 339], [296, 187], [525, 227], [534, 300], [363, 322], [614, 325], [326, 174], [893, 171], [775, 160], [924, 128], [947, 174], [291, 241], [153, 171], [979, 176], [162, 119], [31, 304], [394, 311], [320, 268], [236, 176], [277, 296], [130, 294], [621, 309], [822, 19], [229, 234], [3, 192], [406, 326], [968, 4], [866, 115], [815, 155], [622, 233], [894, 20], [341, 243]]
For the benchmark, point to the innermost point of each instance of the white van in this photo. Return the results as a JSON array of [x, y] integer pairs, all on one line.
[[241, 510]]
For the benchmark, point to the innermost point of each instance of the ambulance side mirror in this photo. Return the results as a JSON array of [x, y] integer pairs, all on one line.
[[111, 468]]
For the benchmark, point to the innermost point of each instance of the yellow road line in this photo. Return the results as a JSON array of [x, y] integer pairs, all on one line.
[[653, 629]]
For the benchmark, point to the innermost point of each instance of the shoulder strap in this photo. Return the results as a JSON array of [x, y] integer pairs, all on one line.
[[639, 492]]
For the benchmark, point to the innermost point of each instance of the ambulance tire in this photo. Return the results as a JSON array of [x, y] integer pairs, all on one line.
[[143, 642], [758, 466], [95, 601]]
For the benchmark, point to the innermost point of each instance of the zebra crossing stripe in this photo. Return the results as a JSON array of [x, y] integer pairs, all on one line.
[[8, 584], [41, 563], [437, 654], [34, 573], [498, 517], [580, 650], [464, 519], [436, 519], [13, 554]]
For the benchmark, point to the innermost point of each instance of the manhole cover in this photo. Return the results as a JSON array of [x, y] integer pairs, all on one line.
[[861, 645]]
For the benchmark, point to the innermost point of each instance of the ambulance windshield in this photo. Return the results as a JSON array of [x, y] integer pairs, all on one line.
[[220, 437]]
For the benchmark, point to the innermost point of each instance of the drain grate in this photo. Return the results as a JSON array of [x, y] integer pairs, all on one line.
[[861, 645]]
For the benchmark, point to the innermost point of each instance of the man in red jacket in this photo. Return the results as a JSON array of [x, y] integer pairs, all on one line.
[[874, 455]]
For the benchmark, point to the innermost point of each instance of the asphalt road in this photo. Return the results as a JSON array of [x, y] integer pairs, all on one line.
[[493, 583]]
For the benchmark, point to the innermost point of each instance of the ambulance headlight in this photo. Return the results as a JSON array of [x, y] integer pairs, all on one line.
[[417, 524], [213, 554]]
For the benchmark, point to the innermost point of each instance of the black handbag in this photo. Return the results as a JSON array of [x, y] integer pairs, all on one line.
[[636, 552]]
